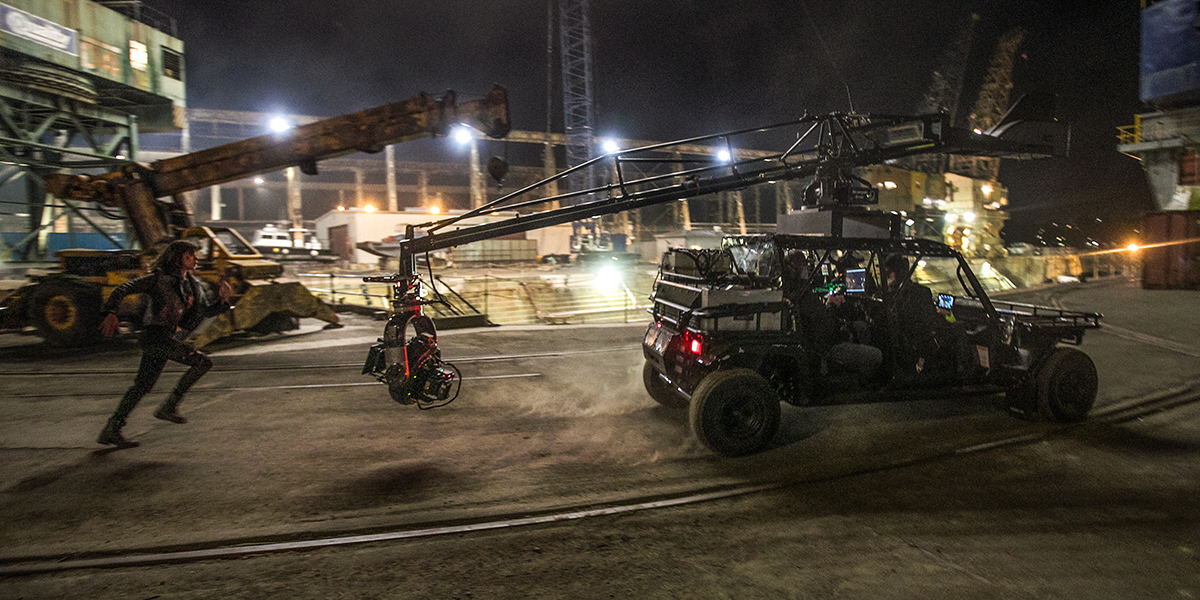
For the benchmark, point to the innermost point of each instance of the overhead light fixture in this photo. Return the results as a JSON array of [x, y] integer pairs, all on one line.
[[279, 125]]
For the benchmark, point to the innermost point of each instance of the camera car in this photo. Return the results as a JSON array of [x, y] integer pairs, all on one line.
[[730, 339]]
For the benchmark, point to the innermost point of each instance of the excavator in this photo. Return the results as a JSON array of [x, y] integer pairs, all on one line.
[[63, 305], [824, 149]]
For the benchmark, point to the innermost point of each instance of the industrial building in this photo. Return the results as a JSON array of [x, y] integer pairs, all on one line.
[[1167, 142], [1167, 139]]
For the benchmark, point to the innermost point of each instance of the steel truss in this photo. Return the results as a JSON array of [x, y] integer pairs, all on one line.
[[36, 132]]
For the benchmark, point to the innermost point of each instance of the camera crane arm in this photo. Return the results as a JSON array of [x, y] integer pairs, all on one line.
[[841, 143], [826, 147]]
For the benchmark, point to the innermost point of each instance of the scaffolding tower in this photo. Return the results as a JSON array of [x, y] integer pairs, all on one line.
[[579, 117]]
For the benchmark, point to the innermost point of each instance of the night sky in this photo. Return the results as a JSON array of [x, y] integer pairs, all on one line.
[[677, 68]]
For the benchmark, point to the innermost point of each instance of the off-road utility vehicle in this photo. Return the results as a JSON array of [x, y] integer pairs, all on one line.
[[728, 342], [724, 339]]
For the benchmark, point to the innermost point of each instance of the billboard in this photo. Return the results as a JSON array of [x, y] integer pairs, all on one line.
[[1170, 54], [36, 29]]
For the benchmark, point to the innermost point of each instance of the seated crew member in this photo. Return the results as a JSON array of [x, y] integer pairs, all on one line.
[[823, 329], [912, 317]]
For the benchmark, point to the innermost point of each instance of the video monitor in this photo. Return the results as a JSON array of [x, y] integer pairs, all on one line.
[[856, 281]]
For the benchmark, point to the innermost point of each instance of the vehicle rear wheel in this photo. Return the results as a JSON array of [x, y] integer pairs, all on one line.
[[1067, 386], [65, 313], [735, 412], [660, 390]]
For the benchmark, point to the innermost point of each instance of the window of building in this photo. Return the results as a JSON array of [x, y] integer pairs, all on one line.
[[172, 64], [139, 57]]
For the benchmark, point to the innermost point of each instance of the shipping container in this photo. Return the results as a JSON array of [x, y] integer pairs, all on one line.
[[1171, 250]]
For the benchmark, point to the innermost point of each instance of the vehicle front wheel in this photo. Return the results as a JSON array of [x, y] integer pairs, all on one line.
[[1066, 386], [65, 313], [735, 412], [660, 390]]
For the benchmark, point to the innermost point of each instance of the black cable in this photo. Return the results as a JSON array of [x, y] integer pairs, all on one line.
[[112, 216], [432, 281]]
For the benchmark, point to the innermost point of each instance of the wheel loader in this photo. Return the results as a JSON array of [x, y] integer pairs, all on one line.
[[63, 305]]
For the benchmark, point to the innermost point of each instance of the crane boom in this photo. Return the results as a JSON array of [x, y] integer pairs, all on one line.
[[831, 146], [135, 188], [364, 131]]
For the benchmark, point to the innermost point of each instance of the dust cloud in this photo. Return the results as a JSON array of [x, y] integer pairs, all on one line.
[[592, 392], [605, 414]]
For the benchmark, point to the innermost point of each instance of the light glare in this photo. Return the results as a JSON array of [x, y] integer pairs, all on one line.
[[608, 279]]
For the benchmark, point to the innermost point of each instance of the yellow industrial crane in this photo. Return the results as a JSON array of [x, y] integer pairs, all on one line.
[[64, 305]]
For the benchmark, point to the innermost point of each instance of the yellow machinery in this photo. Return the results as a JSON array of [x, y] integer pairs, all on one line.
[[64, 305]]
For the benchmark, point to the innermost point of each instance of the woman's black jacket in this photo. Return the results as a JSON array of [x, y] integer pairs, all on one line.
[[172, 301]]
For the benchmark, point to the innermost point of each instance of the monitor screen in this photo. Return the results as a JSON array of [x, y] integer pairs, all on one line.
[[856, 281]]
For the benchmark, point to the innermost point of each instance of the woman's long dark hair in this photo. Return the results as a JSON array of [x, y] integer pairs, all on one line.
[[171, 259]]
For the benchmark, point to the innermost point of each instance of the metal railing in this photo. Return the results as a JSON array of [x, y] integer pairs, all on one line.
[[337, 295], [138, 11], [1158, 128], [512, 299]]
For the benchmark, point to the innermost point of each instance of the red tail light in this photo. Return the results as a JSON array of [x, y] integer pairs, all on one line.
[[695, 346]]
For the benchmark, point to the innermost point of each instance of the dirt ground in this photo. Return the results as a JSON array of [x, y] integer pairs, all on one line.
[[287, 441]]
